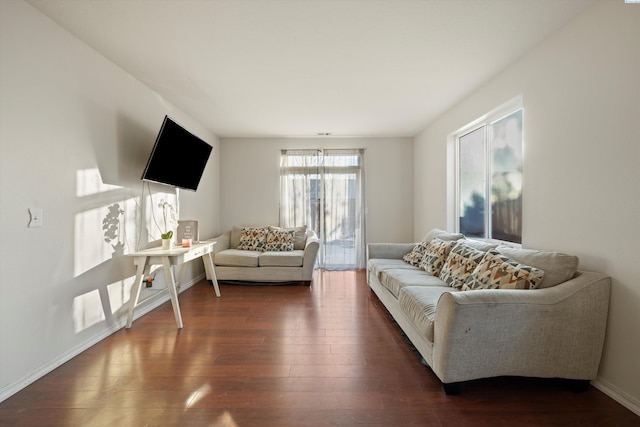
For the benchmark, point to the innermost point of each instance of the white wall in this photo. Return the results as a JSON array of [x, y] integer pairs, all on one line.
[[67, 117], [250, 182], [581, 94]]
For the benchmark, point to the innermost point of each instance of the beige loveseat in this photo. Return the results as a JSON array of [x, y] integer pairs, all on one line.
[[552, 327], [266, 254]]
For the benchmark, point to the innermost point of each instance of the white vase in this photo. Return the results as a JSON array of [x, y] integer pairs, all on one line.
[[167, 244]]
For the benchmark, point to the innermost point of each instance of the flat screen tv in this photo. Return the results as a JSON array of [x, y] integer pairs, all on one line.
[[178, 157]]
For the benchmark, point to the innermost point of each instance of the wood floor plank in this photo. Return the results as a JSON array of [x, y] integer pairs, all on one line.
[[321, 355]]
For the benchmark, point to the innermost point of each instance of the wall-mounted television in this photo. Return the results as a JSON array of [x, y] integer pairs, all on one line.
[[178, 157]]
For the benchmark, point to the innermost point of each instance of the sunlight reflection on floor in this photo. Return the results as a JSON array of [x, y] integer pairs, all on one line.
[[225, 420]]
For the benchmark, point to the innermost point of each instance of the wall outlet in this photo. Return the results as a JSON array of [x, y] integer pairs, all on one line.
[[35, 219]]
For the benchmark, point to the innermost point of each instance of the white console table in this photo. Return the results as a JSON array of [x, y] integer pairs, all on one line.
[[167, 258]]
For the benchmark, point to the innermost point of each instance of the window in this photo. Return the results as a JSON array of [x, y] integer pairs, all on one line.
[[489, 177]]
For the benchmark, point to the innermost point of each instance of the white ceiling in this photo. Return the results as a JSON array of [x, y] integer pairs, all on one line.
[[299, 67]]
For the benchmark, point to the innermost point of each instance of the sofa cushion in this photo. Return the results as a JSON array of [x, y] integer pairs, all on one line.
[[461, 262], [376, 266], [237, 258], [234, 237], [418, 303], [497, 271], [436, 254], [442, 235], [396, 279], [558, 267], [300, 238], [417, 253], [479, 244], [253, 239], [279, 240], [292, 258]]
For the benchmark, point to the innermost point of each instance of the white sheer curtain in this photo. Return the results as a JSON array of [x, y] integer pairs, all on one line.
[[324, 189]]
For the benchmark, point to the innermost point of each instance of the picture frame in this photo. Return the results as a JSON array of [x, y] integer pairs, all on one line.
[[187, 229]]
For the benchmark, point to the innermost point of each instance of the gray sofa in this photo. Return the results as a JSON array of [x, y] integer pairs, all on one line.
[[256, 261], [555, 330]]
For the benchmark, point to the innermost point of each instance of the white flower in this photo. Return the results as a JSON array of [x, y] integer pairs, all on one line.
[[171, 222]]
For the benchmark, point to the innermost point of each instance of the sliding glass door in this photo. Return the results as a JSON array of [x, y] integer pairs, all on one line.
[[323, 189]]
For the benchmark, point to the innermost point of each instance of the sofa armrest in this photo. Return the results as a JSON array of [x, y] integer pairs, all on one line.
[[311, 248], [547, 333], [388, 250]]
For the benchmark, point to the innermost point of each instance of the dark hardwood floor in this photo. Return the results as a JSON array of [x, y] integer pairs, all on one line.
[[324, 355]]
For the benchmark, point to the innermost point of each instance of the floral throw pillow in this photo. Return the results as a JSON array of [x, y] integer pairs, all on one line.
[[253, 239], [417, 253], [280, 240], [497, 271], [462, 261], [435, 255]]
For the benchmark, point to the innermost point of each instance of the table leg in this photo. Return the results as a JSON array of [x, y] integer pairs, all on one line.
[[171, 284], [142, 270], [180, 275], [211, 271]]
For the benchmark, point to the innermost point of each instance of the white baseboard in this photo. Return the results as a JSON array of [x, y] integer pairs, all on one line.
[[618, 395], [147, 306]]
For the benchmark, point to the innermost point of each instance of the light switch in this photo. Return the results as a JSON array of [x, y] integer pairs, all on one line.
[[35, 217]]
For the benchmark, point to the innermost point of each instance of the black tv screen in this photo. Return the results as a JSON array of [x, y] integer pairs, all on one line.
[[178, 157]]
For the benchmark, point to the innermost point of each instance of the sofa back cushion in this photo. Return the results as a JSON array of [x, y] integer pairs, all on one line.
[[300, 237], [442, 235], [558, 267], [480, 245], [234, 238]]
